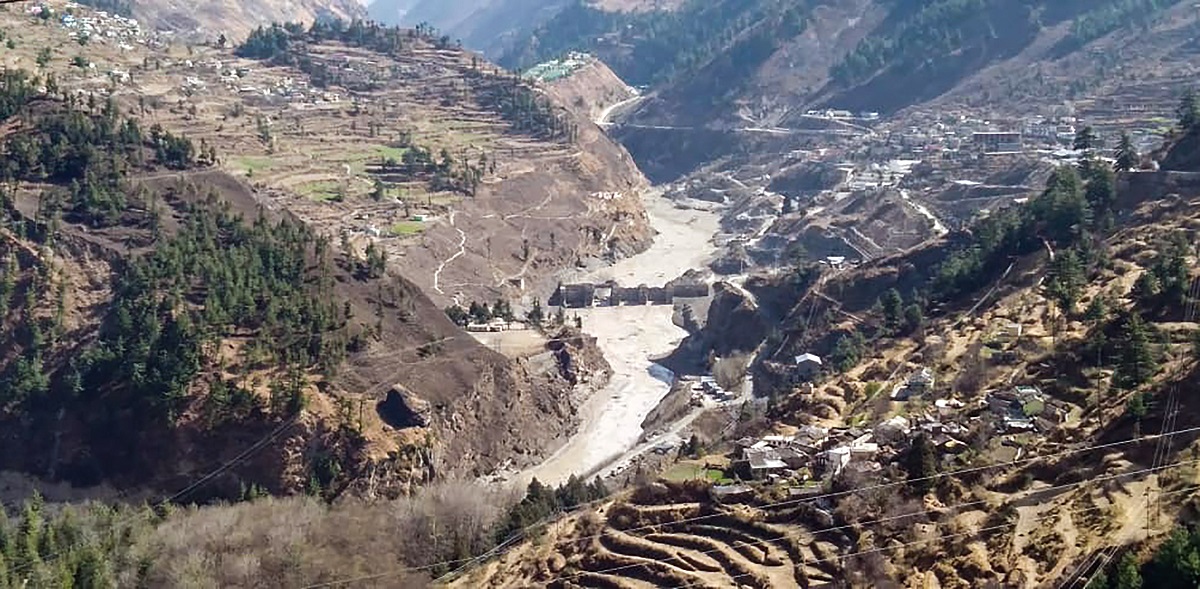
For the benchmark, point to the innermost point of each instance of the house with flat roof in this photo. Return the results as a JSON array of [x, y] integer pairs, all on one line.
[[763, 462], [921, 381], [807, 366]]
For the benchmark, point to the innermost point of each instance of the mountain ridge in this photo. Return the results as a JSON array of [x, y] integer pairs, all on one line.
[[397, 394]]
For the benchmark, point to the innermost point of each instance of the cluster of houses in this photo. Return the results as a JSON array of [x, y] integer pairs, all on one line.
[[1025, 408], [843, 115], [97, 26], [559, 68], [963, 136], [813, 452], [918, 383], [610, 294], [969, 136], [816, 453], [708, 386], [286, 89]]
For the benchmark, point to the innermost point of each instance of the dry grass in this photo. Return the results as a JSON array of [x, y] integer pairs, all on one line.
[[298, 541]]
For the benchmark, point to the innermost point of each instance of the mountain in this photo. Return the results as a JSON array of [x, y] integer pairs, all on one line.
[[209, 19], [993, 392], [767, 61], [488, 26], [251, 249]]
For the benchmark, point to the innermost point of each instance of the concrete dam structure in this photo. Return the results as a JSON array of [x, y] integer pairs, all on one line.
[[611, 294]]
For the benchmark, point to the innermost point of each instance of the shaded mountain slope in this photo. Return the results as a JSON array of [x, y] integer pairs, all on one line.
[[295, 358], [770, 61]]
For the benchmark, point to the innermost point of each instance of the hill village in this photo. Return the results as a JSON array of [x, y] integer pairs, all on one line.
[[1005, 424], [924, 150]]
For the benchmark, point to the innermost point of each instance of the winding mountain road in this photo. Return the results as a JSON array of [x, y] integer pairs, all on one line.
[[605, 117]]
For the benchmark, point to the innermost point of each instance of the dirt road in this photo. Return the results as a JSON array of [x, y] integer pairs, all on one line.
[[629, 336], [605, 117]]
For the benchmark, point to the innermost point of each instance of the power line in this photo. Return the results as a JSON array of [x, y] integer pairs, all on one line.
[[514, 537], [924, 541], [186, 490], [810, 499], [1103, 556], [1161, 451], [814, 532]]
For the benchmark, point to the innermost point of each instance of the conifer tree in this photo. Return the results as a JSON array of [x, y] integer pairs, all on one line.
[[1085, 139], [1138, 361], [921, 464], [1128, 576], [892, 304], [1127, 155], [1067, 280], [1189, 110]]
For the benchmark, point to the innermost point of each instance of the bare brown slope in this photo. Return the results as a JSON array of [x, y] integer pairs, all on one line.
[[542, 205], [208, 19], [472, 401], [482, 409], [590, 89]]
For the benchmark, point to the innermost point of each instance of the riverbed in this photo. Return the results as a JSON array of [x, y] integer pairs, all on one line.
[[610, 420]]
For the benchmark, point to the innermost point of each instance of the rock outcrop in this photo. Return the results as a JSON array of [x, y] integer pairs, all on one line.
[[402, 409]]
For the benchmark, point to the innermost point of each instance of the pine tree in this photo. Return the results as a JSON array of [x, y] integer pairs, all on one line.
[[914, 317], [1189, 110], [847, 351], [535, 314], [921, 464], [28, 533], [91, 569], [1145, 289], [1171, 271], [8, 283], [1128, 576], [597, 490], [892, 303], [479, 312], [1138, 361], [1136, 406], [1085, 139], [1067, 280], [378, 191], [1097, 311], [1127, 155], [1101, 193]]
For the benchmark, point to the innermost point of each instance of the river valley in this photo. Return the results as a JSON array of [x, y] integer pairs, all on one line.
[[629, 337]]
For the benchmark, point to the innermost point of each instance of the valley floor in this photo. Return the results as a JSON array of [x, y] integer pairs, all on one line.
[[630, 337]]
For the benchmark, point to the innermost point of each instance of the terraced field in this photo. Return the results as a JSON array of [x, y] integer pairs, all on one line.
[[317, 151], [687, 544], [316, 148]]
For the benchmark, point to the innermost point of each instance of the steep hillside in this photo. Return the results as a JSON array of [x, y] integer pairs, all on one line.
[[209, 20], [768, 62], [265, 332], [474, 184], [586, 84], [1009, 401], [489, 26]]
